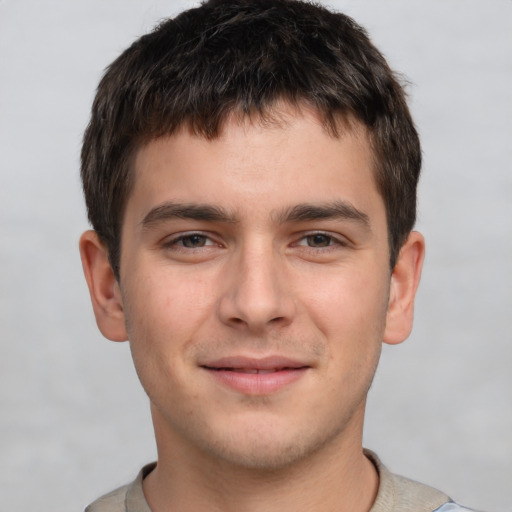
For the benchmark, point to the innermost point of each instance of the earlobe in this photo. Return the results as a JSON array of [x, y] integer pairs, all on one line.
[[405, 279], [103, 287]]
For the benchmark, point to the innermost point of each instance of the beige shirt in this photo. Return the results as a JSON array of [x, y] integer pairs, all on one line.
[[395, 494]]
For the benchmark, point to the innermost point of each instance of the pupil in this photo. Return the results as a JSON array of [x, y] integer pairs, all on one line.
[[319, 240], [194, 241]]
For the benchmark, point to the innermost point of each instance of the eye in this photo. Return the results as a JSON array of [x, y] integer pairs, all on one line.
[[318, 240], [194, 241], [191, 247], [189, 241]]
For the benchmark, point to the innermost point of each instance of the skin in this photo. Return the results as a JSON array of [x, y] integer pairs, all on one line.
[[222, 259]]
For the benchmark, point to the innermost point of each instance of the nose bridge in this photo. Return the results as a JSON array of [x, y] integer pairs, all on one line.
[[259, 276], [257, 294]]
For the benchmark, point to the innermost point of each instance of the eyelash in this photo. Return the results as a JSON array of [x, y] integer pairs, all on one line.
[[332, 241], [174, 243]]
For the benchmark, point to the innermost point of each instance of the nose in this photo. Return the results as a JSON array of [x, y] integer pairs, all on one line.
[[257, 295]]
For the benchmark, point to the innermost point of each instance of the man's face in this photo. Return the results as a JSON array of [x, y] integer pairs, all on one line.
[[254, 283]]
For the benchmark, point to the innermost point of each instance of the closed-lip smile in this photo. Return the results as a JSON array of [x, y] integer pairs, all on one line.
[[256, 376]]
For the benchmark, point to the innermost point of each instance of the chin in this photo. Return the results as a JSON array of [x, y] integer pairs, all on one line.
[[266, 448], [260, 456]]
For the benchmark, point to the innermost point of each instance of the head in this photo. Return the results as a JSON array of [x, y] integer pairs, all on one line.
[[250, 171], [244, 58]]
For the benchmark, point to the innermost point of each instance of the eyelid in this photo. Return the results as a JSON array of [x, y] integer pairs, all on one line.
[[335, 237], [174, 239]]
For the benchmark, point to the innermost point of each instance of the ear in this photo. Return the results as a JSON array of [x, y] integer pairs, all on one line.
[[405, 279], [103, 287]]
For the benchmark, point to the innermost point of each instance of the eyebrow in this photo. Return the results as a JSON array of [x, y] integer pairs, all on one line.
[[170, 210], [303, 212], [336, 210]]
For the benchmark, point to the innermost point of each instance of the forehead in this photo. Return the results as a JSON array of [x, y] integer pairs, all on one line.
[[282, 158]]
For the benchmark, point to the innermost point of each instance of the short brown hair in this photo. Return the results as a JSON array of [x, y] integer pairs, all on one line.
[[244, 56]]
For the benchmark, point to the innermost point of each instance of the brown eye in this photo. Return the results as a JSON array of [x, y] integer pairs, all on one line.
[[318, 240], [194, 241]]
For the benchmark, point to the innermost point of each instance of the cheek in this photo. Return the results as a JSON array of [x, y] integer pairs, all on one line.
[[352, 301], [164, 310], [159, 328]]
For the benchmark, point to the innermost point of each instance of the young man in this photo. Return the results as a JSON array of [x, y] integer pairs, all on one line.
[[250, 173]]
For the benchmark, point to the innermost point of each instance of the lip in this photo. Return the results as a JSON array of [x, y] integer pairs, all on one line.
[[256, 376]]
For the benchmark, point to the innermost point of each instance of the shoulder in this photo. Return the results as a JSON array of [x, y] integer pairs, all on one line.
[[399, 494], [412, 494], [112, 502], [453, 507], [127, 498]]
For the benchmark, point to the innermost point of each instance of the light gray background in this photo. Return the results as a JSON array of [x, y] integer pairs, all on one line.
[[74, 422]]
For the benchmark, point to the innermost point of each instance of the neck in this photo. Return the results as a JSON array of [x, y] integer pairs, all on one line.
[[338, 477]]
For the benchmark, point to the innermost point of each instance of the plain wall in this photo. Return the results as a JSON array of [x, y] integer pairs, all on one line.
[[74, 422]]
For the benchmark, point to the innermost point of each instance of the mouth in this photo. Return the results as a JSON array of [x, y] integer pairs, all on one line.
[[253, 370], [254, 376]]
